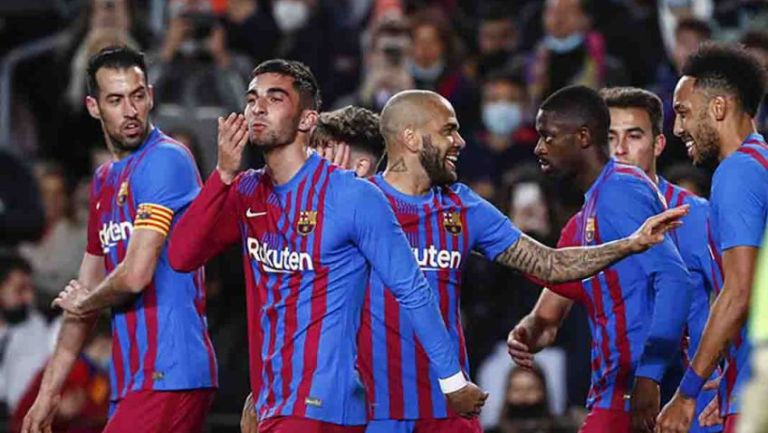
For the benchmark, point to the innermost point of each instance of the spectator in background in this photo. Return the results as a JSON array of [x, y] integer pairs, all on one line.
[[526, 408], [24, 334], [21, 215], [689, 34], [506, 137], [496, 38], [756, 41], [528, 201], [434, 64], [251, 29], [385, 72], [692, 178], [51, 257], [85, 395], [571, 52]]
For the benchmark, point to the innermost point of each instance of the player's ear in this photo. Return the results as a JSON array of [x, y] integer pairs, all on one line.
[[659, 144], [411, 140], [718, 107], [363, 167], [151, 95], [308, 121], [93, 107], [584, 137]]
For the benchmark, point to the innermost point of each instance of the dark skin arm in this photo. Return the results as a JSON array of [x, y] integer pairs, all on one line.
[[539, 328]]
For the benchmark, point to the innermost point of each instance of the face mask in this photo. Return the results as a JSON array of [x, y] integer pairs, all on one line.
[[431, 73], [563, 45], [15, 315], [502, 118], [290, 15]]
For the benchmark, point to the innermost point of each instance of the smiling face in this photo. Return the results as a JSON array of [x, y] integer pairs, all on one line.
[[273, 110], [693, 124], [122, 104], [441, 144], [631, 139]]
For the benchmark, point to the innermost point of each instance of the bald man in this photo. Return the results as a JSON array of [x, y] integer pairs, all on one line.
[[444, 221]]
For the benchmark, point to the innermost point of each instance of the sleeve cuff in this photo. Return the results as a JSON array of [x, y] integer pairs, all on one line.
[[453, 383], [652, 371]]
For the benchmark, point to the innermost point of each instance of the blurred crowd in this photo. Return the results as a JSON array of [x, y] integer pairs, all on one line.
[[495, 60]]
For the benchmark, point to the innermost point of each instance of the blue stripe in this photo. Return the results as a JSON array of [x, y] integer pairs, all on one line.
[[122, 333], [613, 363]]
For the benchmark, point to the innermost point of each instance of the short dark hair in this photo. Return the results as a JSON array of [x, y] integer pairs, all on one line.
[[635, 97], [10, 262], [584, 105], [757, 39], [114, 57], [356, 126], [701, 27], [730, 68], [303, 80], [508, 74]]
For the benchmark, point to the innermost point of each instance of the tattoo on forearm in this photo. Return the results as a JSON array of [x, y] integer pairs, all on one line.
[[566, 264], [399, 166]]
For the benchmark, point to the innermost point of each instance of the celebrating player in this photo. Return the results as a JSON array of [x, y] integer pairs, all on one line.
[[715, 103], [350, 138], [155, 386], [637, 307], [311, 234]]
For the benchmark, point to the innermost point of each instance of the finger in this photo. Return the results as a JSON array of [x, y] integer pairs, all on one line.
[[518, 345], [345, 158], [484, 397]]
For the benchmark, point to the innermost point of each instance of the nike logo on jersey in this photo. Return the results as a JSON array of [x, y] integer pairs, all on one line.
[[249, 214]]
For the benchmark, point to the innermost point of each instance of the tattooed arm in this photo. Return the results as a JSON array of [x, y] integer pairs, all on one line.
[[567, 264]]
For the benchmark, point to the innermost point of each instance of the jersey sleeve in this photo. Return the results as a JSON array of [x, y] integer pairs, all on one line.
[[93, 243], [623, 208], [163, 185], [376, 232], [496, 233], [739, 193], [569, 238]]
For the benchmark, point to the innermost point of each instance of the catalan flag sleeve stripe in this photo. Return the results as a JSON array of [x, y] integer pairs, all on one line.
[[154, 217]]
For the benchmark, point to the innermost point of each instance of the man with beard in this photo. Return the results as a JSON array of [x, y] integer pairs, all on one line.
[[445, 221], [135, 198], [715, 103], [637, 307], [311, 235]]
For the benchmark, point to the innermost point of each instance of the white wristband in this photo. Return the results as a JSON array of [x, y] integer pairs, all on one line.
[[453, 383]]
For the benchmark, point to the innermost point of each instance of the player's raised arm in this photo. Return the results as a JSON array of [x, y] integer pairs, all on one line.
[[566, 264], [378, 235], [210, 223], [74, 332]]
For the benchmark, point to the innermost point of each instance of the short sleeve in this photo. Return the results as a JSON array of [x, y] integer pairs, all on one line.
[[164, 184], [495, 232], [739, 202]]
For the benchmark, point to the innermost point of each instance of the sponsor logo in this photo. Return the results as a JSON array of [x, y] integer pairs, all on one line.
[[251, 214], [283, 261], [432, 259], [122, 193], [111, 233], [452, 222], [589, 230], [307, 222]]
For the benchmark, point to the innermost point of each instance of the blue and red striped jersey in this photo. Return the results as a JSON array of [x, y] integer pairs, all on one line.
[[160, 339], [739, 203], [309, 246], [443, 227], [637, 307], [692, 241]]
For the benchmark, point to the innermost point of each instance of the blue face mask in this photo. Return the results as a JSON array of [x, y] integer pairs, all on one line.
[[431, 73], [502, 118], [564, 45]]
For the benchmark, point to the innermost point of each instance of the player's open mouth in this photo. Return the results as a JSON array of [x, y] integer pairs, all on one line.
[[544, 164], [132, 128], [690, 146]]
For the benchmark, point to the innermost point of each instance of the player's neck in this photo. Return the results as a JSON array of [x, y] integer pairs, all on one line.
[[285, 161], [734, 133], [590, 170], [408, 177]]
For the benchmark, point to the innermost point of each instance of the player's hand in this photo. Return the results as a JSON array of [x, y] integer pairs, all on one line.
[[710, 416], [644, 405], [653, 230], [233, 136], [71, 298], [40, 416], [248, 421], [677, 415], [467, 401], [518, 346], [335, 152]]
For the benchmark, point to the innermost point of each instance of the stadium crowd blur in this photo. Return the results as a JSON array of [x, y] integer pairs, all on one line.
[[494, 60]]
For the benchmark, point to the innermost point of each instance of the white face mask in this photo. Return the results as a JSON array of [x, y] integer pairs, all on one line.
[[502, 118], [564, 45], [290, 15]]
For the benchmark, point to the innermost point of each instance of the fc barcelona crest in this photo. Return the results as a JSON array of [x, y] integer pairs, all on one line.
[[452, 222], [307, 222], [122, 193], [589, 230]]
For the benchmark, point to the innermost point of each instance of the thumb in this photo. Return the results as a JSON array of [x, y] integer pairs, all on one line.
[[520, 333]]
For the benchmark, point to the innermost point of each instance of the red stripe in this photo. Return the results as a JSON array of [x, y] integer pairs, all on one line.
[[130, 310], [464, 251], [365, 353], [394, 356], [602, 324], [291, 302], [319, 302], [754, 153], [117, 361], [150, 320], [668, 194]]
